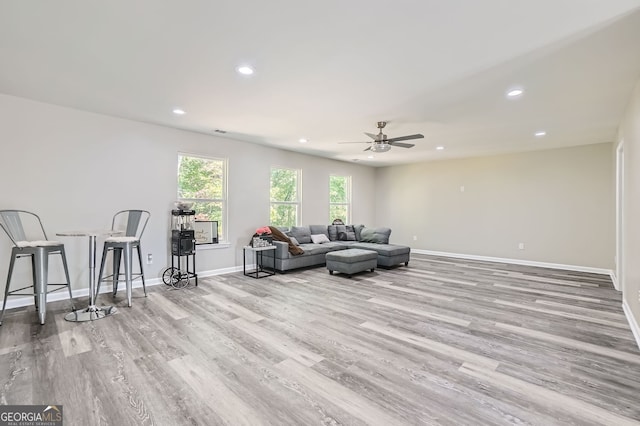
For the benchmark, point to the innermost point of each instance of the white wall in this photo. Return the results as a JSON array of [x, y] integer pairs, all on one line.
[[559, 203], [76, 169], [629, 133]]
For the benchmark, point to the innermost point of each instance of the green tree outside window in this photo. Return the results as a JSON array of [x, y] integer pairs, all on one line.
[[340, 198], [284, 196], [202, 181]]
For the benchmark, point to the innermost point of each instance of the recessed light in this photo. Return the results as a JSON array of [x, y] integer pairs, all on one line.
[[303, 140], [370, 156], [439, 148], [245, 70], [178, 111], [514, 93], [541, 133]]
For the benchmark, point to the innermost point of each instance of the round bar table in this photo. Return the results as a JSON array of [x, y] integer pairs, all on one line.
[[91, 312]]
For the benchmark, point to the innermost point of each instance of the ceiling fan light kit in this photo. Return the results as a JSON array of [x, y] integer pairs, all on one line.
[[379, 147], [381, 143]]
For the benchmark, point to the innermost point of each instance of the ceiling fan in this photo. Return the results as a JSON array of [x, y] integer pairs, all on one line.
[[381, 143]]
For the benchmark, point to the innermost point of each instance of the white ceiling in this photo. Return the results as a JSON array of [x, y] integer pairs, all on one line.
[[329, 70]]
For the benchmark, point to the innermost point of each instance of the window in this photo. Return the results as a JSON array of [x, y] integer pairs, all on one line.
[[203, 181], [340, 198], [285, 197]]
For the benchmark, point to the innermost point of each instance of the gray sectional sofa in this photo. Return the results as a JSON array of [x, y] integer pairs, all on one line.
[[340, 237]]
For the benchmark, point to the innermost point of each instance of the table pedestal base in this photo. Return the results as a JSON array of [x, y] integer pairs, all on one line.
[[91, 313]]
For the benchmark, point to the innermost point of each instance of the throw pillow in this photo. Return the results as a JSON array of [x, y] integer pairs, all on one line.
[[302, 234], [351, 233], [294, 241], [344, 233], [333, 232], [358, 229], [375, 235], [348, 234], [319, 238]]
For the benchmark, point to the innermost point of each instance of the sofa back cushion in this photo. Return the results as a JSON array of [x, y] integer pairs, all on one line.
[[358, 229], [319, 229], [375, 235], [341, 233], [301, 233]]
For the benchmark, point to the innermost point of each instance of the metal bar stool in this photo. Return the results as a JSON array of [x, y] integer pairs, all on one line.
[[30, 240], [134, 222]]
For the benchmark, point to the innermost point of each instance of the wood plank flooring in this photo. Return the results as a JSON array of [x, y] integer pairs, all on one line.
[[443, 341]]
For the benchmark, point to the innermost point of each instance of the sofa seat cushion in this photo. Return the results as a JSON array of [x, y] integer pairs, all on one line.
[[337, 245], [383, 249], [343, 244], [311, 249]]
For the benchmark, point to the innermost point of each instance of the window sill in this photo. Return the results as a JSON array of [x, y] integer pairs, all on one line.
[[200, 247]]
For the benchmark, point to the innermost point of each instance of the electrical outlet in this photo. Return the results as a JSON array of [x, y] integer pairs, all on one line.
[[149, 259], [521, 246], [415, 238], [462, 188]]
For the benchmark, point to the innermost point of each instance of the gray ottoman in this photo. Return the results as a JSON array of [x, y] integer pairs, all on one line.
[[351, 261]]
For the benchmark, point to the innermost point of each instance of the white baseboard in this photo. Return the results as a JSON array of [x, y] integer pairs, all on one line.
[[223, 271], [635, 328], [63, 294], [517, 262], [614, 280]]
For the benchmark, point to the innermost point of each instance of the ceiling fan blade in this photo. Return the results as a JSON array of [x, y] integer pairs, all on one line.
[[367, 149], [354, 142], [372, 136], [406, 138], [402, 145]]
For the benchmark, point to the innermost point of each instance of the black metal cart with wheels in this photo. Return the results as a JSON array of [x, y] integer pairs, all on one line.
[[183, 245]]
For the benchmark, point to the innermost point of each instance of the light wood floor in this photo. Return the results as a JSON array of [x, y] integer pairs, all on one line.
[[442, 341]]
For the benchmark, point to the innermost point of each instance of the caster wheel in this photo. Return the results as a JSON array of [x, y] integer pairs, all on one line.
[[179, 279], [167, 274]]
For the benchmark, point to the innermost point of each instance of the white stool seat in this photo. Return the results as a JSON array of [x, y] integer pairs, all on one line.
[[41, 243], [121, 240]]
